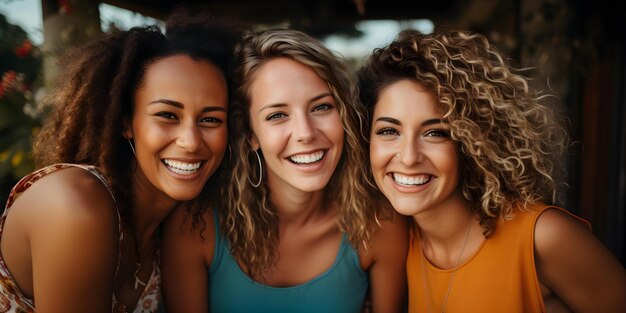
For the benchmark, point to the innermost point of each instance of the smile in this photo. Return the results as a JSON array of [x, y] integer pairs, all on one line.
[[410, 180], [182, 168], [307, 158]]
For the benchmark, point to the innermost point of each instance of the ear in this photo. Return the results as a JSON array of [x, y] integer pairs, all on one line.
[[254, 143]]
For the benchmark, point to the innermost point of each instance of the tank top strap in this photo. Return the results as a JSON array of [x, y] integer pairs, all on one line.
[[219, 242]]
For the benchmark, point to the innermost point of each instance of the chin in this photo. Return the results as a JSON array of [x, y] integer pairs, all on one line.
[[406, 207], [310, 188], [405, 211], [313, 187], [185, 195]]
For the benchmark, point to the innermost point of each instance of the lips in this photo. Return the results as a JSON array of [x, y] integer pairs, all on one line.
[[182, 168], [410, 180], [308, 158]]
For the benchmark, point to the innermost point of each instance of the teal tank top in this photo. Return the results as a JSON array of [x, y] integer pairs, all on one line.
[[341, 288]]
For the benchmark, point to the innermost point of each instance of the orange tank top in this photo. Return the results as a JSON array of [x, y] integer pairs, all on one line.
[[499, 277]]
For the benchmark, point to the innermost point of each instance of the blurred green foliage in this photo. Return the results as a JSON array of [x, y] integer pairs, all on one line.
[[20, 110]]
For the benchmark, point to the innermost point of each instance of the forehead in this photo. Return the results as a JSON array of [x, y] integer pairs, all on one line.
[[282, 79], [181, 73], [183, 79], [177, 67], [406, 99], [284, 69]]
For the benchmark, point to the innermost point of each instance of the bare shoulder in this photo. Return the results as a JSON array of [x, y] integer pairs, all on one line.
[[181, 222], [186, 254], [553, 226], [561, 238], [575, 266], [391, 239], [387, 270], [71, 195], [182, 232], [71, 214], [392, 228]]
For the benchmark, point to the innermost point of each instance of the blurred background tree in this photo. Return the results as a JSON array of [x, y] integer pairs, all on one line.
[[20, 114]]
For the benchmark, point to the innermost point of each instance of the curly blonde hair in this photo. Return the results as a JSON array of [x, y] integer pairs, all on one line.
[[247, 217], [510, 140]]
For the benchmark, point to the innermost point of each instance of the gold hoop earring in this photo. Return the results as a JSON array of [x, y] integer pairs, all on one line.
[[260, 171], [131, 146]]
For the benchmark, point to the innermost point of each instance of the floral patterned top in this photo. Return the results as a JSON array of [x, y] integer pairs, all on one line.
[[11, 297]]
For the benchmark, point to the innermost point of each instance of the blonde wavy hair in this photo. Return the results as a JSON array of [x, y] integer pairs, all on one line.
[[247, 218], [510, 139]]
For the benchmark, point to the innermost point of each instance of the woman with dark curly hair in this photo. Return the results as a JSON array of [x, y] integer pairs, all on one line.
[[138, 127], [298, 230], [460, 142]]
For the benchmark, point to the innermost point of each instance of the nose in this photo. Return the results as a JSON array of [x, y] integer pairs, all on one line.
[[304, 129], [410, 152], [189, 137]]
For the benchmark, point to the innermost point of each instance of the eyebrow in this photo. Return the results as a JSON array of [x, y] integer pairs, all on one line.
[[168, 102], [326, 94], [181, 106], [388, 120], [432, 121], [213, 109], [397, 122], [274, 105], [280, 105]]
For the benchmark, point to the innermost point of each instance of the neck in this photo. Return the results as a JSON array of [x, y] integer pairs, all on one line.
[[444, 233], [297, 209], [150, 208]]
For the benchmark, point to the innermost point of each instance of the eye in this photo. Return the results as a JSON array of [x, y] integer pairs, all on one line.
[[275, 116], [437, 133], [167, 115], [211, 120], [387, 131], [323, 107]]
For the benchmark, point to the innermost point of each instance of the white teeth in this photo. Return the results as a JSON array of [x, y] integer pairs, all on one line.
[[307, 158], [183, 168], [410, 181]]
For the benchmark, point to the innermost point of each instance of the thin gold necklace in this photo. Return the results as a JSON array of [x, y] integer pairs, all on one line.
[[456, 266], [138, 281]]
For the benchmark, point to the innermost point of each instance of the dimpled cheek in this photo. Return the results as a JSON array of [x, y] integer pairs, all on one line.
[[377, 157]]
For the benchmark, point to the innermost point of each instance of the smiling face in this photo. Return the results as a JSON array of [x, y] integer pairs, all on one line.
[[414, 161], [179, 126], [296, 125]]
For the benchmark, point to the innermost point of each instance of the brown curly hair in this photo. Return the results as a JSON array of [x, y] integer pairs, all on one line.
[[510, 139], [93, 99], [247, 217]]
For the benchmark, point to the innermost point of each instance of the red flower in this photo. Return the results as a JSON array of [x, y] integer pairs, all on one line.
[[8, 82], [65, 7], [8, 78], [25, 49], [12, 81]]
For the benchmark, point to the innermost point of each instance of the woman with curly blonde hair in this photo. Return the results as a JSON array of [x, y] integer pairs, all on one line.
[[460, 142], [299, 229]]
